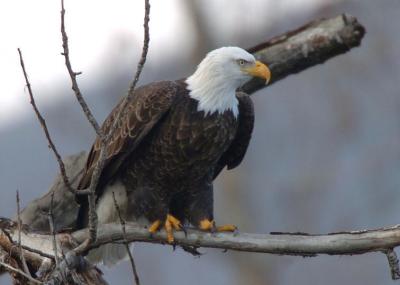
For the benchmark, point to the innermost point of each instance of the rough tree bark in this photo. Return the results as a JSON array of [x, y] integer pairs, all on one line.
[[287, 54]]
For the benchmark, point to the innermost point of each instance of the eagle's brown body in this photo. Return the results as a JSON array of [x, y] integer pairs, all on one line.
[[166, 153]]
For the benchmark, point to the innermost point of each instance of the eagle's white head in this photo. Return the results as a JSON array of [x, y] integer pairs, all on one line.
[[219, 74]]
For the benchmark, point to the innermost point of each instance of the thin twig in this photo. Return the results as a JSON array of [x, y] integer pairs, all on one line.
[[21, 254], [52, 230], [9, 267], [393, 263], [45, 129], [73, 75], [37, 251], [122, 221]]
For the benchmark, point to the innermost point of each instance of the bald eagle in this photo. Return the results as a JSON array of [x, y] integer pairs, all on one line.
[[175, 139]]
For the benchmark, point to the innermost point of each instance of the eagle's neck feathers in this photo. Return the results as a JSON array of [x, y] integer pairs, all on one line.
[[212, 89], [213, 98]]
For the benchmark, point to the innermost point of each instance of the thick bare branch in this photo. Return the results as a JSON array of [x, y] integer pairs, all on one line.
[[309, 45], [343, 243], [300, 244]]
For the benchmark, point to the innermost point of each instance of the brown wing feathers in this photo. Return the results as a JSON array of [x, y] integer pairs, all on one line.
[[235, 153], [149, 104]]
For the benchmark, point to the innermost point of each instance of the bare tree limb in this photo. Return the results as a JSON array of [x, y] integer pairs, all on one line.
[[304, 47], [343, 243], [300, 244], [132, 261]]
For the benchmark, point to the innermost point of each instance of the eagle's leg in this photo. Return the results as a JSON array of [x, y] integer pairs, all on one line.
[[199, 209], [171, 223], [150, 202]]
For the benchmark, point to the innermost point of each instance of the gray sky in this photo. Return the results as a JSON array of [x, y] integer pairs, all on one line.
[[93, 27]]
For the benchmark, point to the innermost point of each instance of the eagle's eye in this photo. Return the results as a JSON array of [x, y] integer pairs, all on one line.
[[241, 62]]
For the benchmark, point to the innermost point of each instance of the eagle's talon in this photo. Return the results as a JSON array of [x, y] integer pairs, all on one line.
[[171, 223], [175, 223], [227, 228], [207, 225], [154, 226]]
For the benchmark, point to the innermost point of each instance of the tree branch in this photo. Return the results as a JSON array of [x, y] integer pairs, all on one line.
[[393, 263], [299, 244], [20, 272], [309, 45], [73, 75], [302, 244], [23, 261]]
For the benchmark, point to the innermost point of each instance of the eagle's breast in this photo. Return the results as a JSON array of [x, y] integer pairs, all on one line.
[[198, 136], [186, 145]]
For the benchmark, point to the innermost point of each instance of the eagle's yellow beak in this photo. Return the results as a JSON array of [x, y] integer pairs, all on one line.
[[259, 69]]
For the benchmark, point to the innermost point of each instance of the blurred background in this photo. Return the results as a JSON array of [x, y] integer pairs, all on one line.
[[324, 155]]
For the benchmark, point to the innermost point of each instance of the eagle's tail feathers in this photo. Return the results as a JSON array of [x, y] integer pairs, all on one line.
[[109, 254]]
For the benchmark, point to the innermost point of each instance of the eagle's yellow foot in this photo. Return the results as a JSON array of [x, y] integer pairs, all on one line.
[[171, 223], [207, 225], [154, 226]]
